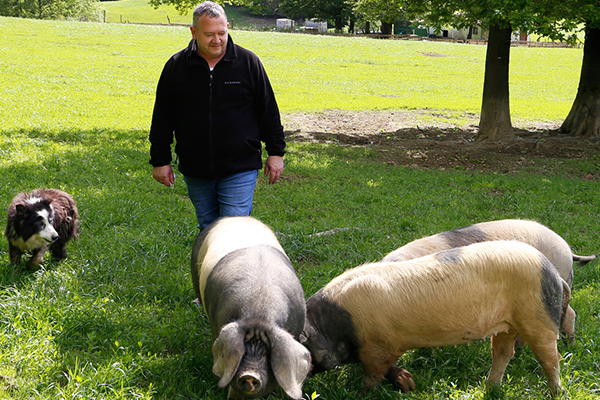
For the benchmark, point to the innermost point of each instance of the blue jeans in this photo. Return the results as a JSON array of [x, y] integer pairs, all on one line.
[[227, 197]]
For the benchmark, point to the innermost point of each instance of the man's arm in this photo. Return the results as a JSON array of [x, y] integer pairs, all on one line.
[[274, 168], [164, 174]]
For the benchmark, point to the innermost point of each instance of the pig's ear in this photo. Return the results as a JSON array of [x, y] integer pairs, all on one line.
[[228, 351], [290, 362]]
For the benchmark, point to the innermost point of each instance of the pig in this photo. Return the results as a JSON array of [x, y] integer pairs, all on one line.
[[255, 305], [374, 313], [533, 233]]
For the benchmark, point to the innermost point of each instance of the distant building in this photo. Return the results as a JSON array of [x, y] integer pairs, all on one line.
[[314, 25], [410, 28], [285, 24], [476, 33]]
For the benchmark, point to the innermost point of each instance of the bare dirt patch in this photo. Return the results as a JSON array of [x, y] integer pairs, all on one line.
[[429, 139]]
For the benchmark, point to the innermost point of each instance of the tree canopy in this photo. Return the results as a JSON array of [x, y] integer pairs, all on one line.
[[339, 11], [50, 9]]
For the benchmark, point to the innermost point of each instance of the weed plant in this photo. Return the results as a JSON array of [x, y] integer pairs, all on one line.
[[115, 320]]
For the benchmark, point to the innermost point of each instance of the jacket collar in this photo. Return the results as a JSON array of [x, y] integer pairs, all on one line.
[[193, 58]]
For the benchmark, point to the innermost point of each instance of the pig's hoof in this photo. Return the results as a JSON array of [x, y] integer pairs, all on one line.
[[401, 379]]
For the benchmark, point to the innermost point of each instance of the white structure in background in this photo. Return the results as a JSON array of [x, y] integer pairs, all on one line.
[[314, 25], [285, 24], [477, 33]]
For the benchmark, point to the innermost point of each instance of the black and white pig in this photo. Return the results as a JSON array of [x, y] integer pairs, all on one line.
[[374, 313], [255, 306], [533, 233]]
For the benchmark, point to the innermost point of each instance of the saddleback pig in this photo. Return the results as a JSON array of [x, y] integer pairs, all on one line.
[[533, 233], [255, 305], [374, 313]]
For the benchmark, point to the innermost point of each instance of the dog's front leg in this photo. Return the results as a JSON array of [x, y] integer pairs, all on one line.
[[15, 254], [37, 258]]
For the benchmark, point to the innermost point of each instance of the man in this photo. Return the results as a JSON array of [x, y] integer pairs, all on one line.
[[215, 98]]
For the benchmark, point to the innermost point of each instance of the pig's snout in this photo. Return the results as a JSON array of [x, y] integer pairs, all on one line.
[[249, 383]]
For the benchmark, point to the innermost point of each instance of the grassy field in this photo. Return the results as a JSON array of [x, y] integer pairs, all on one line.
[[115, 85], [115, 320], [139, 11]]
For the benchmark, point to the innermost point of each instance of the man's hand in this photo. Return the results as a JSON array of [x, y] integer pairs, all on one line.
[[164, 175], [274, 168]]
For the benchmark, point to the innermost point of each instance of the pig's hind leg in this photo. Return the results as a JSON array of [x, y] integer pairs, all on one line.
[[547, 354], [502, 352], [567, 327]]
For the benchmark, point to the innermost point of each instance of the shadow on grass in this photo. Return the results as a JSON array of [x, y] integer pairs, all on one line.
[[119, 306], [89, 137]]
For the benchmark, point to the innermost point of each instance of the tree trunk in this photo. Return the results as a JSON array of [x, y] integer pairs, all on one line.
[[584, 117], [368, 28], [386, 28], [339, 25], [495, 124]]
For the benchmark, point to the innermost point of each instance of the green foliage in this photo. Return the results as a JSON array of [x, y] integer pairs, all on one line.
[[375, 10], [115, 319], [548, 18], [338, 11], [86, 10], [264, 7]]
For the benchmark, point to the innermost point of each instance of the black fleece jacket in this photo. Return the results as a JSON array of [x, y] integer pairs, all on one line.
[[218, 118]]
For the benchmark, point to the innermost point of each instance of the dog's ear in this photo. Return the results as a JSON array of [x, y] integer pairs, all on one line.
[[22, 210]]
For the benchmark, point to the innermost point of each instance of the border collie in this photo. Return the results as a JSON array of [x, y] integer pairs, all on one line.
[[38, 221]]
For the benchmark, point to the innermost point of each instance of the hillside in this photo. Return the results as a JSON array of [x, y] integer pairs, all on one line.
[[139, 11]]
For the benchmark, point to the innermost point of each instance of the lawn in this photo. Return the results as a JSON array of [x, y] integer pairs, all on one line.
[[139, 11], [115, 320]]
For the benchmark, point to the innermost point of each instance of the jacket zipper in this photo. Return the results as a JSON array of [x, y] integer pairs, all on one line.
[[210, 142]]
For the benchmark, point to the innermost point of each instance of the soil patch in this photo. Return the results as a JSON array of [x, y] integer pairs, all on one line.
[[429, 139]]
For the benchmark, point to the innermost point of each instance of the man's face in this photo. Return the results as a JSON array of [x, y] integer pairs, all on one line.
[[211, 36]]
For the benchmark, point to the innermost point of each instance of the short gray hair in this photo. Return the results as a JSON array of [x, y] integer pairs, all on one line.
[[209, 8]]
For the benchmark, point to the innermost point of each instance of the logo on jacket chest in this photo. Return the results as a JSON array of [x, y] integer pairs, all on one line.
[[232, 83]]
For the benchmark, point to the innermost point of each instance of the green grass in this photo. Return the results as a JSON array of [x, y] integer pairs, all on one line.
[[139, 11], [115, 319], [103, 76]]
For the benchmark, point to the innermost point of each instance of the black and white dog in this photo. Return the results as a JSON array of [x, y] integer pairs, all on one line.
[[40, 220]]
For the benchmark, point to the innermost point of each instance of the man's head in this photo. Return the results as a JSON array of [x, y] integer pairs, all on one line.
[[209, 29]]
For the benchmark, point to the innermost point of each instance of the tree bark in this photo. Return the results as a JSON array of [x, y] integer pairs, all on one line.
[[494, 123], [338, 25], [584, 117], [386, 28]]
